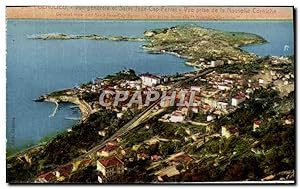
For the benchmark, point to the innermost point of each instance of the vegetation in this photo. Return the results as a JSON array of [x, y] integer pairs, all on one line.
[[58, 93], [197, 43], [65, 146], [90, 96], [250, 155], [123, 75], [87, 175]]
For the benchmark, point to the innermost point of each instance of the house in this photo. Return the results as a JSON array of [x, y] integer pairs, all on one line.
[[150, 79], [235, 101], [210, 117], [223, 87], [222, 105], [166, 173], [155, 157], [177, 116], [256, 124], [195, 88], [132, 84], [46, 177], [195, 109], [289, 120], [108, 150], [260, 81], [102, 133], [180, 158], [110, 166], [119, 115], [228, 132], [63, 171]]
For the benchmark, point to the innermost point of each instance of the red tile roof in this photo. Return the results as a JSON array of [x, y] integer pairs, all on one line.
[[65, 170], [182, 158], [108, 148], [258, 122], [111, 161], [155, 157], [47, 176]]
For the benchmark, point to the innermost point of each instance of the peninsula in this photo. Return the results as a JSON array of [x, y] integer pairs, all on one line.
[[62, 36], [198, 45], [240, 126]]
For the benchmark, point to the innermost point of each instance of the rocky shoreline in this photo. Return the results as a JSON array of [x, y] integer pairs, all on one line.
[[62, 36]]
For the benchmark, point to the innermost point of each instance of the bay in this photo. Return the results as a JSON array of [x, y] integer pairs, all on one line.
[[36, 67]]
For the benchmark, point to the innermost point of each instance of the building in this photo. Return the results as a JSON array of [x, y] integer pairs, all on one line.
[[166, 173], [110, 166], [45, 178], [289, 120], [228, 132], [176, 117], [180, 158], [260, 81], [120, 115], [108, 150], [210, 117], [256, 124], [196, 88], [235, 101], [223, 87], [133, 84], [150, 79], [63, 171], [155, 157]]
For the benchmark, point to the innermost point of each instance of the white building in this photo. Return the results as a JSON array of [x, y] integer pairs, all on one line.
[[235, 101], [195, 88], [120, 115], [110, 167], [260, 81], [223, 87], [229, 132], [210, 117], [176, 117], [150, 80]]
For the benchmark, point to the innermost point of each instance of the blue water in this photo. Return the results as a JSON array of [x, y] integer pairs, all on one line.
[[36, 67]]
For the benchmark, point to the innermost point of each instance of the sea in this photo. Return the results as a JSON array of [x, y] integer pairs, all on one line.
[[37, 67]]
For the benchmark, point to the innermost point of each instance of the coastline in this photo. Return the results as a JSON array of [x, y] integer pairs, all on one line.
[[85, 109]]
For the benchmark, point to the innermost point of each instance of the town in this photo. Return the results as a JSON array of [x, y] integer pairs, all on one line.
[[239, 126], [217, 95]]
